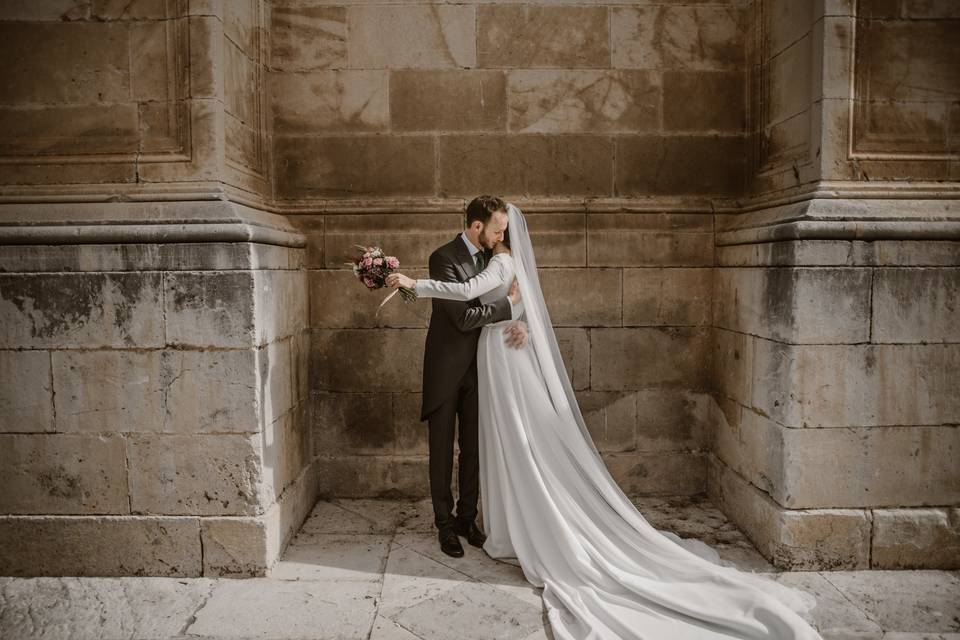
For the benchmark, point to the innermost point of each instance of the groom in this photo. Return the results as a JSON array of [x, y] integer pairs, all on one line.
[[450, 370]]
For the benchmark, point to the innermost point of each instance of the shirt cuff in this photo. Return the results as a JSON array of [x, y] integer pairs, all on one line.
[[515, 310]]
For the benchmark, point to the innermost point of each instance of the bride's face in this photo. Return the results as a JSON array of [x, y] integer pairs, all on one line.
[[492, 232]]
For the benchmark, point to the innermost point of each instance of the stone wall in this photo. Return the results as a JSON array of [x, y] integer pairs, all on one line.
[[835, 293], [389, 118]]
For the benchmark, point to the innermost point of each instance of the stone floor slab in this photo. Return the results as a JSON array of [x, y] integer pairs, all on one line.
[[333, 556], [267, 609], [96, 608], [834, 613], [903, 601]]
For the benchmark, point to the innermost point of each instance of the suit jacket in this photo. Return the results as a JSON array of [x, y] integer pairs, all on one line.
[[451, 346]]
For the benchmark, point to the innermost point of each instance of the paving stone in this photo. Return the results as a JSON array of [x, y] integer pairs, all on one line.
[[333, 557]]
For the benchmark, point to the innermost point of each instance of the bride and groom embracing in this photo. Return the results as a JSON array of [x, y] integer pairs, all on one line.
[[492, 364]]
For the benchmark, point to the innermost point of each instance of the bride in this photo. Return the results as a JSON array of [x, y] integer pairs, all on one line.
[[549, 501]]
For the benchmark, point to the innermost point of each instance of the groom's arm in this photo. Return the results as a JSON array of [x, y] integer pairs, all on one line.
[[465, 317]]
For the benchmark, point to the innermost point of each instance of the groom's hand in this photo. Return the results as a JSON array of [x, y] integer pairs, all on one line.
[[516, 333]]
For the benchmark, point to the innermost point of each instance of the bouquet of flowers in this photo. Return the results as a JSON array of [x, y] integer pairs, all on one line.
[[372, 268]]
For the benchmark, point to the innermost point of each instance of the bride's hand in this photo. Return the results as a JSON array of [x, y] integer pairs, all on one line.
[[516, 333], [397, 280], [514, 292]]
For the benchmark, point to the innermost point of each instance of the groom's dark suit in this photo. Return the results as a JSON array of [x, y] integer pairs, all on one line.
[[450, 383]]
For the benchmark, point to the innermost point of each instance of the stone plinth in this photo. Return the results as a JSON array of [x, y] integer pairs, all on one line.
[[154, 389]]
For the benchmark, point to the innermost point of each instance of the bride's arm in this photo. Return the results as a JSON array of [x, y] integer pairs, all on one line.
[[487, 280]]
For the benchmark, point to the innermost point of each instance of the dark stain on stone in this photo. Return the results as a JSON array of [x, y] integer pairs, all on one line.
[[54, 303], [59, 483], [779, 290]]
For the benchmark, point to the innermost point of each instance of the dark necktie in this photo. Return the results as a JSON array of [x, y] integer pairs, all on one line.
[[479, 261]]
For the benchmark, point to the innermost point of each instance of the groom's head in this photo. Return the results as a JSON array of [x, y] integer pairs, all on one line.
[[486, 221]]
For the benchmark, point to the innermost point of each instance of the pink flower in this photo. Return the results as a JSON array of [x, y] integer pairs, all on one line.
[[367, 261], [378, 261], [367, 280], [392, 262]]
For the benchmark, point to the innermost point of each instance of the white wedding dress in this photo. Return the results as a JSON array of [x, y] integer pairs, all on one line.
[[549, 501]]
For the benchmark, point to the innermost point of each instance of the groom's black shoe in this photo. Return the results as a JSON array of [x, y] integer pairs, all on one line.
[[450, 543], [471, 532]]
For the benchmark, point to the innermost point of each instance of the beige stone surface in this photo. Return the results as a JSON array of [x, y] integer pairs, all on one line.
[[339, 300], [655, 296], [649, 240], [390, 476], [308, 37], [63, 474], [704, 101], [109, 390], [559, 239], [354, 166], [26, 391], [693, 164], [530, 164], [899, 314], [335, 101], [516, 36], [678, 37], [662, 473], [732, 364], [194, 474], [916, 538], [804, 305], [411, 36], [611, 418], [345, 359], [673, 419], [210, 391], [81, 310], [233, 547], [448, 100], [574, 344], [635, 358], [583, 297], [566, 101], [209, 309], [411, 237]]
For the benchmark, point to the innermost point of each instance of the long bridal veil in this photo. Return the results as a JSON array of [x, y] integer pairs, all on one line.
[[690, 559]]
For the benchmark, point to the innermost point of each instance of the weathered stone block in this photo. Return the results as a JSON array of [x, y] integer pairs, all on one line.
[[118, 391], [678, 37], [354, 423], [129, 9], [574, 344], [206, 121], [240, 23], [311, 227], [99, 546], [194, 474], [801, 305], [664, 473], [839, 386], [560, 239], [410, 433], [286, 450], [611, 418], [410, 237], [789, 78], [565, 101], [672, 419], [916, 538], [644, 239], [339, 300], [330, 101], [640, 357], [300, 360], [666, 296], [704, 101], [680, 165], [365, 360], [274, 381], [89, 64], [901, 315], [26, 391], [81, 310], [583, 297], [307, 37], [732, 364], [62, 473], [421, 36], [374, 477], [355, 166], [69, 129], [798, 540], [210, 309], [233, 547], [539, 36], [210, 391], [526, 164], [447, 100], [280, 303]]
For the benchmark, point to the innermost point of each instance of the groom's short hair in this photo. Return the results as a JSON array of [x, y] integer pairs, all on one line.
[[482, 207]]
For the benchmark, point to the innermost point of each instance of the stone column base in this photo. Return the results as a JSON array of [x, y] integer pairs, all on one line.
[[836, 539]]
